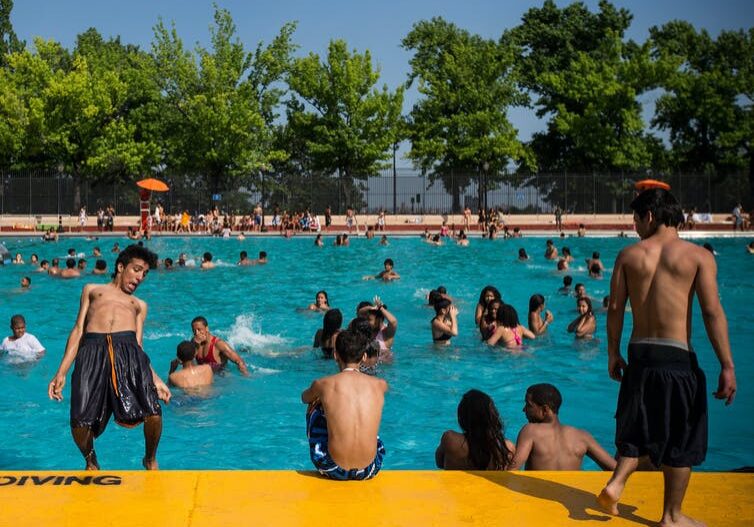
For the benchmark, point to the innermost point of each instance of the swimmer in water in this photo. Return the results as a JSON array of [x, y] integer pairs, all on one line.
[[207, 261], [244, 259], [522, 256], [383, 240], [509, 332], [318, 241], [595, 260], [321, 302], [213, 350], [488, 294], [445, 322], [537, 325], [387, 275], [551, 252], [585, 324], [566, 289], [191, 375]]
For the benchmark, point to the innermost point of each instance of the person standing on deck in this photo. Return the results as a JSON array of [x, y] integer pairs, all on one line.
[[662, 404]]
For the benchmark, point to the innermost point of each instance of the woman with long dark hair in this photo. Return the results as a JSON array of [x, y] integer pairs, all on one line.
[[325, 337], [482, 445]]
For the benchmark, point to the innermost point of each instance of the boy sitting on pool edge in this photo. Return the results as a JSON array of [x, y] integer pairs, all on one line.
[[344, 414]]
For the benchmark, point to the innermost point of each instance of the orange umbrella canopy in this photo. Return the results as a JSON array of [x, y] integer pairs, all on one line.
[[646, 184], [155, 185]]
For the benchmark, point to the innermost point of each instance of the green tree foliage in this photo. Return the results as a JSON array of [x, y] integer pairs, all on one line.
[[346, 124], [586, 79], [707, 105], [218, 105], [460, 124], [9, 42], [78, 110]]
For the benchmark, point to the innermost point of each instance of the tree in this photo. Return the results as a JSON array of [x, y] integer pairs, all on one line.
[[459, 128], [348, 125], [707, 105], [9, 42], [586, 80], [219, 106]]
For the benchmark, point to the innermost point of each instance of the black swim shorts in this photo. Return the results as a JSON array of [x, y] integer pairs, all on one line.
[[112, 375], [662, 406]]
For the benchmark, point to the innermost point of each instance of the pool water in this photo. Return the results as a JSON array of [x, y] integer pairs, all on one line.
[[258, 422]]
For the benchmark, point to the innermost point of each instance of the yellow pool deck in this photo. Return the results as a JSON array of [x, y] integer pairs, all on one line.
[[416, 498]]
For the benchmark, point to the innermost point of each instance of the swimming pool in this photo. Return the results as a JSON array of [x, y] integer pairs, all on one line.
[[258, 422]]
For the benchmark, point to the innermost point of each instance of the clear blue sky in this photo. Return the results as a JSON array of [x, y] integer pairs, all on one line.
[[376, 26]]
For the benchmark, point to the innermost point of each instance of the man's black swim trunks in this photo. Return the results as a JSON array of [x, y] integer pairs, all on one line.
[[111, 376], [662, 406]]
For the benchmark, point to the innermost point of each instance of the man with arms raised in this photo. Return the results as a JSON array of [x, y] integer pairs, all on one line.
[[112, 374], [662, 404], [547, 444]]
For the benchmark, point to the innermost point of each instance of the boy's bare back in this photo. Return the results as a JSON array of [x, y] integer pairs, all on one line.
[[547, 446], [193, 377], [353, 404], [659, 276]]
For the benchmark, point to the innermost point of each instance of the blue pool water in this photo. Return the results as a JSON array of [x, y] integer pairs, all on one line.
[[258, 422]]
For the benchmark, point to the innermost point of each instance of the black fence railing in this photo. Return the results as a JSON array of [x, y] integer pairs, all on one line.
[[35, 192]]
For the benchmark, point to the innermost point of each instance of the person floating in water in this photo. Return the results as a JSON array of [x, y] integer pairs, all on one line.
[[212, 349], [344, 414], [482, 445], [547, 444], [190, 375], [112, 374], [659, 276]]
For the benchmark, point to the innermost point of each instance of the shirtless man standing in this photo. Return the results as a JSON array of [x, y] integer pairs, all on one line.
[[112, 374], [659, 276], [546, 444], [212, 349], [344, 414]]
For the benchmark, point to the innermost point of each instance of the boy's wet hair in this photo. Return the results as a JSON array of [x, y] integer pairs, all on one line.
[[207, 256], [133, 252], [186, 350], [70, 263], [567, 280], [16, 319], [351, 346], [100, 265], [545, 395], [389, 261], [244, 255], [662, 204]]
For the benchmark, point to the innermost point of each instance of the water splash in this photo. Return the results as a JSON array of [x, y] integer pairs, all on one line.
[[246, 335]]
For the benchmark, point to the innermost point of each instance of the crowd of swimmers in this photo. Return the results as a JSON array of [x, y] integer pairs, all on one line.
[[344, 410]]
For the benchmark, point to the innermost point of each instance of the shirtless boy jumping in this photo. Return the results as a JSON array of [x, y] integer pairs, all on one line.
[[112, 374], [344, 415]]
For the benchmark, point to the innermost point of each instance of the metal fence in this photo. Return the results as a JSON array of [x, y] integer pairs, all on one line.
[[36, 192]]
